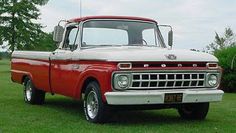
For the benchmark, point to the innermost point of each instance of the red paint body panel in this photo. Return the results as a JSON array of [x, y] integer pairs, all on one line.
[[111, 17], [37, 70], [67, 80], [64, 79], [169, 66]]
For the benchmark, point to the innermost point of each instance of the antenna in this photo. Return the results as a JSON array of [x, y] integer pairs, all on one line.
[[80, 4]]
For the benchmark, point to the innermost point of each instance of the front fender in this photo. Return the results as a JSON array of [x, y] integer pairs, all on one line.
[[101, 73]]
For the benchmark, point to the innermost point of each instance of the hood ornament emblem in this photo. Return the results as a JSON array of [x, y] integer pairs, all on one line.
[[171, 57]]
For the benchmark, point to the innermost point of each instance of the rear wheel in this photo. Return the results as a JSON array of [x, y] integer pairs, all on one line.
[[95, 110], [31, 94], [197, 111]]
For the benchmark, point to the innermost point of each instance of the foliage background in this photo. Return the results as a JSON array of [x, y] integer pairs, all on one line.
[[224, 48], [225, 57], [19, 27]]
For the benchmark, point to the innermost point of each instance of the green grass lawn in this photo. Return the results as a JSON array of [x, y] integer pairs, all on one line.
[[61, 114]]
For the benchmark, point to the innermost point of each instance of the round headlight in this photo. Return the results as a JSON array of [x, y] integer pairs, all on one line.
[[123, 81], [212, 80]]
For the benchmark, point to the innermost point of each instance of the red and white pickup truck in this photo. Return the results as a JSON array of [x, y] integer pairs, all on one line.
[[118, 61]]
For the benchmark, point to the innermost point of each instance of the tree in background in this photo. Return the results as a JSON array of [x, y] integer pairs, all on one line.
[[1, 42], [221, 42], [46, 43], [17, 23], [224, 48], [226, 57]]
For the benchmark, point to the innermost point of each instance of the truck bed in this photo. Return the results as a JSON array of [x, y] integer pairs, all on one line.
[[33, 63]]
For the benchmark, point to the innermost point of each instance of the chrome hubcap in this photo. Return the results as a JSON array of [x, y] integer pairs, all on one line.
[[92, 104], [28, 91]]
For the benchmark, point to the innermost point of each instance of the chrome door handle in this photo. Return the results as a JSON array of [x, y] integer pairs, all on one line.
[[58, 53], [75, 66]]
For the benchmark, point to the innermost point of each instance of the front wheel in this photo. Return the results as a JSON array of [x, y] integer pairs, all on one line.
[[95, 110], [31, 94], [197, 111]]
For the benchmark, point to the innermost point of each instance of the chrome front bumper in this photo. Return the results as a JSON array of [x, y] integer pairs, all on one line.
[[157, 96]]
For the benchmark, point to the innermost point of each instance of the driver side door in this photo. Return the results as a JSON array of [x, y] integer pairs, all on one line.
[[61, 68]]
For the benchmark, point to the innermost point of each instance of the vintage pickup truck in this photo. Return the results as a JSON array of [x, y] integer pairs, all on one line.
[[119, 61]]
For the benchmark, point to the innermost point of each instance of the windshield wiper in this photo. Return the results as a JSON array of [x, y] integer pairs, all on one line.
[[103, 45], [142, 45]]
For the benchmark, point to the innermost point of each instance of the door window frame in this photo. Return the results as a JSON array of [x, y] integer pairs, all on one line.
[[66, 35]]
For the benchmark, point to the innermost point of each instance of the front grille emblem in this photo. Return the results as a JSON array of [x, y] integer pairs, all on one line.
[[171, 57], [146, 65], [163, 65]]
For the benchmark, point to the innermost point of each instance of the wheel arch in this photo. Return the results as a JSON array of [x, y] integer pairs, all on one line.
[[99, 74], [28, 75], [23, 78], [86, 82]]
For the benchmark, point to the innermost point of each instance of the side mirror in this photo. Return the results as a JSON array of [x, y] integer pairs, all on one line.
[[58, 33], [170, 35], [170, 38]]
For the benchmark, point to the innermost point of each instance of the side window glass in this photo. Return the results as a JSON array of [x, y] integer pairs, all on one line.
[[72, 36], [149, 36], [71, 41]]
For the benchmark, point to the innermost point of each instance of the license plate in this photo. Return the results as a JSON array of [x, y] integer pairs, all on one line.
[[173, 97]]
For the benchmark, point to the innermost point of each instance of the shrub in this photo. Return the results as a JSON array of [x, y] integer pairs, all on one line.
[[225, 57], [4, 55]]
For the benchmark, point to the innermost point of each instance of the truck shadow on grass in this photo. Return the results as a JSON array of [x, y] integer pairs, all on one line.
[[75, 108]]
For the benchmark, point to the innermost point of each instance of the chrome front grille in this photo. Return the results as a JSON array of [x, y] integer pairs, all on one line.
[[167, 80]]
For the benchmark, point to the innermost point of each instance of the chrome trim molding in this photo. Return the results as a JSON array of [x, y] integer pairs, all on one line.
[[124, 68], [212, 67], [218, 79], [31, 55], [157, 97], [167, 80], [115, 84], [157, 33], [199, 80]]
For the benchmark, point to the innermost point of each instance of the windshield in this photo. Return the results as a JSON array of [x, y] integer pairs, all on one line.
[[120, 33]]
